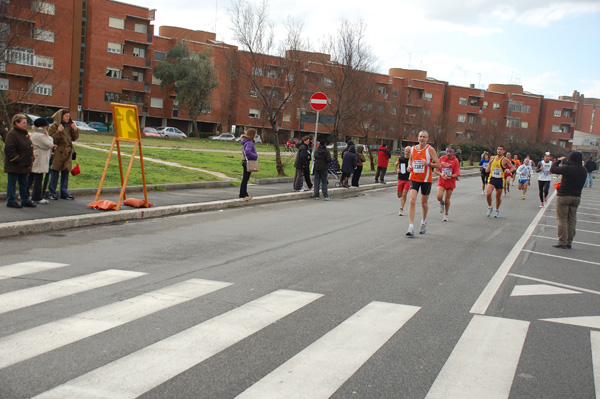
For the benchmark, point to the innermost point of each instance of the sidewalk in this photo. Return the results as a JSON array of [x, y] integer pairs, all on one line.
[[168, 200]]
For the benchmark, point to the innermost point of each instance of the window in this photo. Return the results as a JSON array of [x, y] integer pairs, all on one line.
[[287, 117], [3, 84], [395, 92], [555, 128], [519, 107], [474, 102], [43, 89], [118, 23], [44, 62], [566, 113], [141, 28], [382, 90], [254, 113], [112, 96], [137, 76], [156, 102], [524, 125], [43, 35], [257, 71], [116, 48], [557, 113], [160, 56], [273, 74], [460, 135], [494, 122], [394, 111], [290, 77], [327, 82], [485, 105], [114, 73], [462, 118], [427, 96], [21, 56], [496, 106], [137, 98], [207, 108], [472, 118], [253, 93], [43, 7], [139, 52], [367, 107], [483, 121], [513, 122], [462, 101]]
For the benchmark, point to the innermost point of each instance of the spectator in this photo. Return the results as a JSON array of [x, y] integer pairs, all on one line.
[[301, 163], [360, 158], [42, 148], [322, 160], [64, 132], [18, 159], [348, 165], [249, 151], [383, 158], [590, 167], [568, 196]]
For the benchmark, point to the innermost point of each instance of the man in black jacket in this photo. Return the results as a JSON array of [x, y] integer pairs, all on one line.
[[590, 167], [568, 196]]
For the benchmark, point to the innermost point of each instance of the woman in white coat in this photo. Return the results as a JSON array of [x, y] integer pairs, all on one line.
[[42, 148]]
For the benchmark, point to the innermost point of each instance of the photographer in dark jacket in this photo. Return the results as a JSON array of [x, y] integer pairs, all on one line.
[[568, 196], [301, 163], [322, 160]]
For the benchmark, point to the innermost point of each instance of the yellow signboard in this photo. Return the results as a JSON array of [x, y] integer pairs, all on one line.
[[125, 117]]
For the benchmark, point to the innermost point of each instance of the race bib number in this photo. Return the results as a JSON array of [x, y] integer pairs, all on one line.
[[447, 171], [403, 168], [497, 173], [418, 167]]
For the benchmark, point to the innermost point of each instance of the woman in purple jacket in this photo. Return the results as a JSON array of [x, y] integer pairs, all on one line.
[[249, 152]]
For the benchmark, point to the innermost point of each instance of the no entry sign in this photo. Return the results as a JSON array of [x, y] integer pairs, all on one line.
[[318, 101]]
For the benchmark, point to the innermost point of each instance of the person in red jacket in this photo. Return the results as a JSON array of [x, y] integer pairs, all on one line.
[[383, 159]]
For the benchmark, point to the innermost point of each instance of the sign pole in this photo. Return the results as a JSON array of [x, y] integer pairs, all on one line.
[[312, 166], [318, 102]]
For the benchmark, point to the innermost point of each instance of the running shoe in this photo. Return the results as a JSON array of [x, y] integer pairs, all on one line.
[[541, 205], [401, 213], [497, 213], [522, 197], [327, 198], [445, 218], [423, 228], [441, 206], [411, 231], [490, 210]]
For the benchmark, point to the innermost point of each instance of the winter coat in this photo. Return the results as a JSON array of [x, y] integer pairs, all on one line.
[[63, 141], [248, 149], [301, 157], [573, 174], [42, 148], [18, 151], [322, 158], [360, 157], [590, 165], [383, 157], [349, 161]]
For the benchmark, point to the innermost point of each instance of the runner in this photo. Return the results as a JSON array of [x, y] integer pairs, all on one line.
[[448, 172], [517, 162], [401, 167], [485, 160], [497, 168], [423, 159], [508, 175], [524, 172], [544, 178]]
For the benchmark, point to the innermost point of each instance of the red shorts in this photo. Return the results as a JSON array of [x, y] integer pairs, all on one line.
[[403, 185], [447, 184]]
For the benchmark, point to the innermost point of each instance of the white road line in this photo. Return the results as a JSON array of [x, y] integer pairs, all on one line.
[[586, 221], [595, 341], [572, 287], [485, 298], [562, 257], [574, 242], [483, 362], [23, 268], [35, 341], [589, 214], [32, 296], [578, 230], [540, 289], [580, 321], [320, 369], [139, 372]]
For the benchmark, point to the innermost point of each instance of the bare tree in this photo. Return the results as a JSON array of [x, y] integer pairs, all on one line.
[[271, 73], [348, 79]]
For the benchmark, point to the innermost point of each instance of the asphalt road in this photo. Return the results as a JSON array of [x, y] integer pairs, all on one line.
[[308, 299]]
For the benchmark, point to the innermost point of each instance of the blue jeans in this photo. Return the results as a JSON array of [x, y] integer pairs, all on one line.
[[11, 187], [64, 183], [589, 180]]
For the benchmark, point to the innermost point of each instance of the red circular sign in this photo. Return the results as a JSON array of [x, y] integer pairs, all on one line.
[[318, 101]]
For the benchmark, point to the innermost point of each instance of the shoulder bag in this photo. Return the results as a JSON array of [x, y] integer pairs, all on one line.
[[251, 166]]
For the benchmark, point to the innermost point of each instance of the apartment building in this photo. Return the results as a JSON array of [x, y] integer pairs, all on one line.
[[557, 122]]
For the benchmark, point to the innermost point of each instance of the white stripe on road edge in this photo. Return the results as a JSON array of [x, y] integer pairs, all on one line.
[[483, 362], [595, 341], [574, 242], [561, 257], [320, 369], [484, 300], [33, 342], [578, 230], [555, 283], [139, 372], [32, 296], [23, 268], [540, 289], [581, 321]]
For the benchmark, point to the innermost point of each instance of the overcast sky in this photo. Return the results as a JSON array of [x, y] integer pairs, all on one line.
[[550, 47]]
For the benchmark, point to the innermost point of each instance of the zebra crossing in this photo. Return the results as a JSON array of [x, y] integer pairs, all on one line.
[[482, 364]]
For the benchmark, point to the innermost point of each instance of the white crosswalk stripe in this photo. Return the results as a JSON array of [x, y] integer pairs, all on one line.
[[320, 369], [135, 374], [595, 341], [24, 268], [50, 336], [60, 289]]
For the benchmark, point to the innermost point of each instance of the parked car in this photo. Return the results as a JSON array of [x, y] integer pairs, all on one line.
[[340, 145], [223, 137], [257, 139], [99, 126], [83, 127], [171, 132], [150, 132]]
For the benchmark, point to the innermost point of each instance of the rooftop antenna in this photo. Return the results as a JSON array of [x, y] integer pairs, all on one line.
[[409, 57], [479, 84], [216, 15]]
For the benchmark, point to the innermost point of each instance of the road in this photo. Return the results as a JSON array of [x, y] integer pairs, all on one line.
[[307, 299]]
